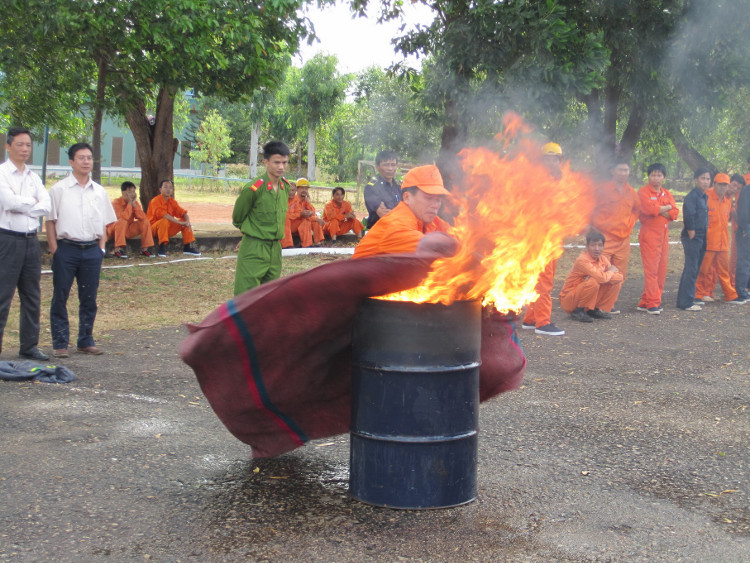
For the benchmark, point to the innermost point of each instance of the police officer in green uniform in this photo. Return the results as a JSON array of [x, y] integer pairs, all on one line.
[[260, 213]]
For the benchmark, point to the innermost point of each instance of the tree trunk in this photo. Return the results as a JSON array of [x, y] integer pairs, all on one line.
[[311, 154], [252, 154], [636, 122], [155, 143], [299, 159], [96, 138], [688, 154], [453, 139], [611, 103]]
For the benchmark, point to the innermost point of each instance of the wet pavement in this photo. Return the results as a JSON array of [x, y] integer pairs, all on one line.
[[605, 454]]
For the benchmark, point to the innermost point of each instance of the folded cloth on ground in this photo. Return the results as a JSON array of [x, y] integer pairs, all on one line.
[[27, 370]]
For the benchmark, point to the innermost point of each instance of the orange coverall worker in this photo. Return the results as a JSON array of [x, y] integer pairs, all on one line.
[[716, 261], [590, 285], [654, 241], [399, 231], [163, 228], [615, 214], [308, 228], [336, 222], [539, 313], [131, 222]]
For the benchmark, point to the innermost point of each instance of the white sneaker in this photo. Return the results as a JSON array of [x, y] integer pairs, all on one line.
[[694, 308], [708, 299]]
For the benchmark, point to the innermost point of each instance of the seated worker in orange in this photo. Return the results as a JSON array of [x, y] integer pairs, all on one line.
[[301, 218], [416, 215], [658, 209], [716, 260], [131, 222], [615, 213], [593, 284], [167, 219], [539, 313], [338, 216]]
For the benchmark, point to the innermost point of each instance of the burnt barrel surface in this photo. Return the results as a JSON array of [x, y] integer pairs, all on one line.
[[415, 404]]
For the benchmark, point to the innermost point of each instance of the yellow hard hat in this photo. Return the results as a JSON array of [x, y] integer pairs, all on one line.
[[552, 148], [302, 182]]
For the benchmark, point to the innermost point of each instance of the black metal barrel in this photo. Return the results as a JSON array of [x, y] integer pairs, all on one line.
[[415, 404]]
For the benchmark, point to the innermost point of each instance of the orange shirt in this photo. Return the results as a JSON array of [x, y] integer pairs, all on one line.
[[615, 213], [651, 203], [129, 213], [719, 211], [586, 267], [296, 206], [159, 207], [332, 211], [399, 231]]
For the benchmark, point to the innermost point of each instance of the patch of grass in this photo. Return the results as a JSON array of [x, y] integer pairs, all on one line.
[[147, 297]]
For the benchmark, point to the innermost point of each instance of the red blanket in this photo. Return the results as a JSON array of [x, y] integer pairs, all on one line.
[[274, 362]]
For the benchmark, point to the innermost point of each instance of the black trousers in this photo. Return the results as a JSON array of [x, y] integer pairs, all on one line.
[[21, 264], [695, 250]]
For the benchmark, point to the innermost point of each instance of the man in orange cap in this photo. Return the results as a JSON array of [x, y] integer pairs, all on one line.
[[302, 219], [658, 209], [539, 313], [400, 231], [615, 214], [716, 260]]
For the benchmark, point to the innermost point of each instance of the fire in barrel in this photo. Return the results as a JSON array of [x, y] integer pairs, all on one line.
[[416, 354]]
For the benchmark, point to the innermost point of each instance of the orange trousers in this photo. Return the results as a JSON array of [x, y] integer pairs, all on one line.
[[590, 294], [715, 265], [164, 228], [733, 255], [123, 229], [335, 228], [618, 252], [308, 230], [539, 313], [655, 256]]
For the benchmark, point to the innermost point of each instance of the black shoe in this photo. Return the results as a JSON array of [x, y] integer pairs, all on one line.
[[121, 254], [163, 250], [598, 314], [580, 316], [34, 354], [190, 250]]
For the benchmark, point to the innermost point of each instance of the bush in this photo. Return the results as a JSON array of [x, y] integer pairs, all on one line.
[[238, 171]]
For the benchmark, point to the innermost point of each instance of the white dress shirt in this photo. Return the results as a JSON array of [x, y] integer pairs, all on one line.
[[23, 198], [81, 213]]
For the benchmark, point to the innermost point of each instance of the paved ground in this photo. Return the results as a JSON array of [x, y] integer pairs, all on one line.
[[628, 442]]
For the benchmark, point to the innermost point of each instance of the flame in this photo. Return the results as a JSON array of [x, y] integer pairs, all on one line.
[[514, 216]]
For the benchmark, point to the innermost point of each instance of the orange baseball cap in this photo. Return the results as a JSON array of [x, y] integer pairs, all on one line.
[[721, 178], [426, 178]]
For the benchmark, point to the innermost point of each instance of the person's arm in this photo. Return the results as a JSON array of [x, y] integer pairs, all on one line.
[[186, 220], [242, 206], [12, 202], [51, 230], [649, 207], [688, 214], [593, 270], [674, 212], [138, 211]]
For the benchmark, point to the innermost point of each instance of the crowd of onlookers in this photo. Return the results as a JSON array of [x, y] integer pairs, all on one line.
[[271, 210]]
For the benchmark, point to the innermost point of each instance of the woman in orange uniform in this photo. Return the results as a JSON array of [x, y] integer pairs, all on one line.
[[657, 210]]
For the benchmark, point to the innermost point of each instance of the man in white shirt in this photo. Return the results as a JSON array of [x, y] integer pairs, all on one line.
[[76, 235], [23, 200]]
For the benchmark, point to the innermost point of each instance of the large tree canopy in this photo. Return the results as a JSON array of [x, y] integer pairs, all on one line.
[[146, 51]]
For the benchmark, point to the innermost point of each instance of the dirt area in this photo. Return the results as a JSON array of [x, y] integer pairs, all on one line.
[[210, 213], [627, 442]]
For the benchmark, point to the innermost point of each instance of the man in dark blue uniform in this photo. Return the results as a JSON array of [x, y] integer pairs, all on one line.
[[693, 238], [382, 193]]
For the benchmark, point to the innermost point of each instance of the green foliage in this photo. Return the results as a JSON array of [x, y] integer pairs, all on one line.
[[213, 141]]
